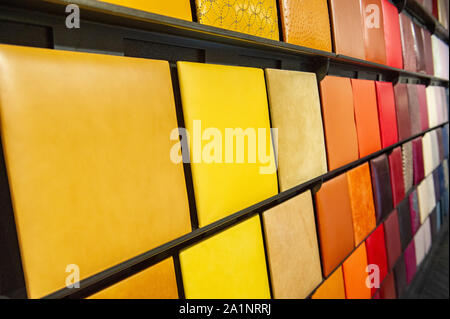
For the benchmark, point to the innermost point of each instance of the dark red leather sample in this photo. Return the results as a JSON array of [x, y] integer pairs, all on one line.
[[376, 252], [400, 276], [414, 109], [374, 43], [414, 212], [387, 113], [392, 238], [423, 106], [419, 170], [409, 54], [396, 174], [429, 65], [410, 262], [402, 111], [381, 185], [419, 48], [387, 290], [404, 223], [392, 35]]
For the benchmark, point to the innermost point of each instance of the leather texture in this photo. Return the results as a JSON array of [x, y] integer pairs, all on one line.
[[419, 48], [408, 169], [440, 144], [255, 17], [90, 191], [366, 116], [433, 102], [180, 9], [224, 97], [347, 25], [423, 106], [440, 57], [361, 200], [420, 245], [419, 170], [156, 282], [400, 276], [334, 219], [374, 40], [292, 248], [414, 211], [402, 111], [409, 52], [414, 109], [445, 139], [332, 288], [437, 188], [387, 113], [410, 262], [428, 239], [339, 121], [387, 290], [306, 23], [381, 185], [392, 239], [229, 265], [428, 153], [296, 113], [428, 51], [396, 175], [355, 275], [392, 35], [404, 223], [426, 195], [376, 252]]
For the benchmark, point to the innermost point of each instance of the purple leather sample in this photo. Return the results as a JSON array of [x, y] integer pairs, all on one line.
[[428, 51], [410, 262], [414, 109], [402, 111], [404, 223], [440, 138], [422, 96], [419, 170], [414, 212], [437, 186], [381, 185], [409, 53]]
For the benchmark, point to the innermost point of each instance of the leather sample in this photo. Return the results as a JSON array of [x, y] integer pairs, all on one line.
[[426, 196], [180, 9], [361, 200], [423, 106], [355, 275], [346, 19], [445, 139], [440, 57], [433, 102], [396, 175], [296, 113], [224, 97], [332, 287], [392, 239], [376, 252], [414, 109], [387, 290], [366, 116], [306, 23], [428, 153], [338, 116], [420, 245], [408, 170], [400, 276], [155, 282], [392, 35], [428, 50], [419, 170], [387, 113], [419, 48], [409, 52], [410, 262], [292, 248], [402, 111], [414, 211], [404, 223], [428, 240], [89, 160], [373, 27], [440, 144], [229, 265], [437, 188], [334, 218], [259, 18], [381, 185]]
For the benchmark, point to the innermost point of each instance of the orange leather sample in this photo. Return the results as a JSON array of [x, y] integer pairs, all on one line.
[[347, 25], [361, 199], [339, 121], [355, 274], [334, 218], [332, 287], [86, 140], [373, 23], [306, 23], [180, 9], [366, 116], [292, 248], [155, 282]]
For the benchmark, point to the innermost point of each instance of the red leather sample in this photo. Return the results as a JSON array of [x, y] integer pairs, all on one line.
[[409, 54], [410, 262], [392, 35], [396, 174], [414, 109], [374, 44], [428, 51], [387, 290], [423, 106], [414, 212], [381, 185], [392, 238], [402, 111], [419, 169], [376, 252], [387, 113], [366, 116], [419, 48], [334, 219]]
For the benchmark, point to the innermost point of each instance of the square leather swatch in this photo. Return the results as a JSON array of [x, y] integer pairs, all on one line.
[[361, 200], [387, 290], [400, 276], [440, 57], [408, 166], [414, 211], [376, 252], [306, 23], [381, 185], [373, 27], [366, 116], [419, 170], [423, 106], [409, 52], [339, 121], [295, 111], [410, 262], [396, 174], [392, 238], [292, 248], [334, 219], [428, 50], [332, 288], [355, 275], [392, 35], [387, 113], [402, 111], [414, 109], [404, 223]]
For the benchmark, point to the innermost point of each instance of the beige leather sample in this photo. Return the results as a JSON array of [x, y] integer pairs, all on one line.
[[420, 245], [427, 145], [295, 112], [292, 248], [427, 200]]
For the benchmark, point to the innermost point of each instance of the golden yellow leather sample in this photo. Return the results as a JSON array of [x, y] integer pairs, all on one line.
[[227, 98], [155, 282], [295, 112], [292, 248], [180, 9], [255, 17], [306, 23], [229, 265], [86, 141], [332, 288]]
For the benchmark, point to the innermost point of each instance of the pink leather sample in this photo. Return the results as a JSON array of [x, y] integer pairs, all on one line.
[[410, 262], [387, 113], [396, 174], [409, 55], [403, 112], [376, 252], [428, 50], [414, 109], [392, 35]]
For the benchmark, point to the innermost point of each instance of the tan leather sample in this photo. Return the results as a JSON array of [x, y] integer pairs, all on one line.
[[155, 282], [295, 112], [361, 199], [180, 9], [334, 218], [86, 140], [332, 287], [339, 121], [347, 24], [373, 27], [292, 249], [306, 23], [355, 275]]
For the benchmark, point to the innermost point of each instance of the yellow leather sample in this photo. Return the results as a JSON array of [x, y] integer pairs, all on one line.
[[332, 288], [292, 248], [226, 97], [86, 141], [180, 9], [295, 112], [155, 282], [255, 17], [229, 265]]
